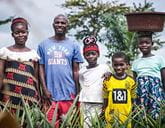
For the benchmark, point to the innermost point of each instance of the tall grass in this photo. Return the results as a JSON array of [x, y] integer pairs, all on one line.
[[33, 117]]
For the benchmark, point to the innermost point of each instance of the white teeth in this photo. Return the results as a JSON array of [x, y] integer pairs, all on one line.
[[59, 29]]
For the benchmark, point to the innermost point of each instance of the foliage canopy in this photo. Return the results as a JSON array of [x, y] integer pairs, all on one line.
[[107, 22]]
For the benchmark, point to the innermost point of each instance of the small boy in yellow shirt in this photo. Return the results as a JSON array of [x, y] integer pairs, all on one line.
[[118, 92]]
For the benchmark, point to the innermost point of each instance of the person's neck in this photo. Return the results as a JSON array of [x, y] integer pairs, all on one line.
[[120, 76], [19, 46], [92, 65], [59, 37], [147, 55]]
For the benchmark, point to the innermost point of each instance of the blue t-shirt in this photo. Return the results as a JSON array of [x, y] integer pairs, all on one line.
[[57, 58]]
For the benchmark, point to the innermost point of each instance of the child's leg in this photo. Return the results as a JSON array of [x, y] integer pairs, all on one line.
[[90, 110], [114, 119], [83, 112], [142, 92]]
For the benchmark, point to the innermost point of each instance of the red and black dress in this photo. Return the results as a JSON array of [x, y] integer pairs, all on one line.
[[19, 81]]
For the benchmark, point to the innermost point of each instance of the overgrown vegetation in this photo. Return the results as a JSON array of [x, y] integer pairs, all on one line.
[[107, 22], [33, 117]]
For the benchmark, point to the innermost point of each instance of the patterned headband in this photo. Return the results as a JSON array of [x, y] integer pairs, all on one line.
[[90, 44], [89, 40]]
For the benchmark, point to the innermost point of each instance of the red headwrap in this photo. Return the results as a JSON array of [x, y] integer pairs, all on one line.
[[19, 20], [90, 44]]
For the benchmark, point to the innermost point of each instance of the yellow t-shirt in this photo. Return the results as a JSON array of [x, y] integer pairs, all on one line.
[[119, 93]]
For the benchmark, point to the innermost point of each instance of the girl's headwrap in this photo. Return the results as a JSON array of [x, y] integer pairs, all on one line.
[[19, 20], [90, 44]]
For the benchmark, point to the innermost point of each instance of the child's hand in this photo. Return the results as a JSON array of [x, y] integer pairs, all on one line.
[[107, 75], [47, 94], [47, 97], [102, 115]]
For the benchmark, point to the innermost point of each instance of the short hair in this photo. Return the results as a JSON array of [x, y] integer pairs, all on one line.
[[145, 34], [61, 15], [18, 20], [120, 55]]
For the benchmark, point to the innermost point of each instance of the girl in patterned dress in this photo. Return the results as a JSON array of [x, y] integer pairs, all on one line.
[[18, 69], [149, 72]]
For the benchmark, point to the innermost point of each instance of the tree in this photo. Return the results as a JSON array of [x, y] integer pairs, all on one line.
[[107, 22], [5, 21]]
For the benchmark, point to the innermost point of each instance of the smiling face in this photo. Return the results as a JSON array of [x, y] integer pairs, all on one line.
[[145, 45], [20, 33], [60, 25], [119, 65], [91, 57]]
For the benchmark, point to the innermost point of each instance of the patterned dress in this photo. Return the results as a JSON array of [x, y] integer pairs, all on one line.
[[150, 93], [19, 81]]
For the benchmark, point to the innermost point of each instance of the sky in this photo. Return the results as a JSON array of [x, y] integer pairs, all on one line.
[[40, 14]]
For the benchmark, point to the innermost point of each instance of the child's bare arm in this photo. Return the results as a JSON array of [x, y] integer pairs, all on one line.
[[105, 96], [133, 90], [107, 75], [2, 66], [105, 104], [163, 77], [36, 74], [134, 75]]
